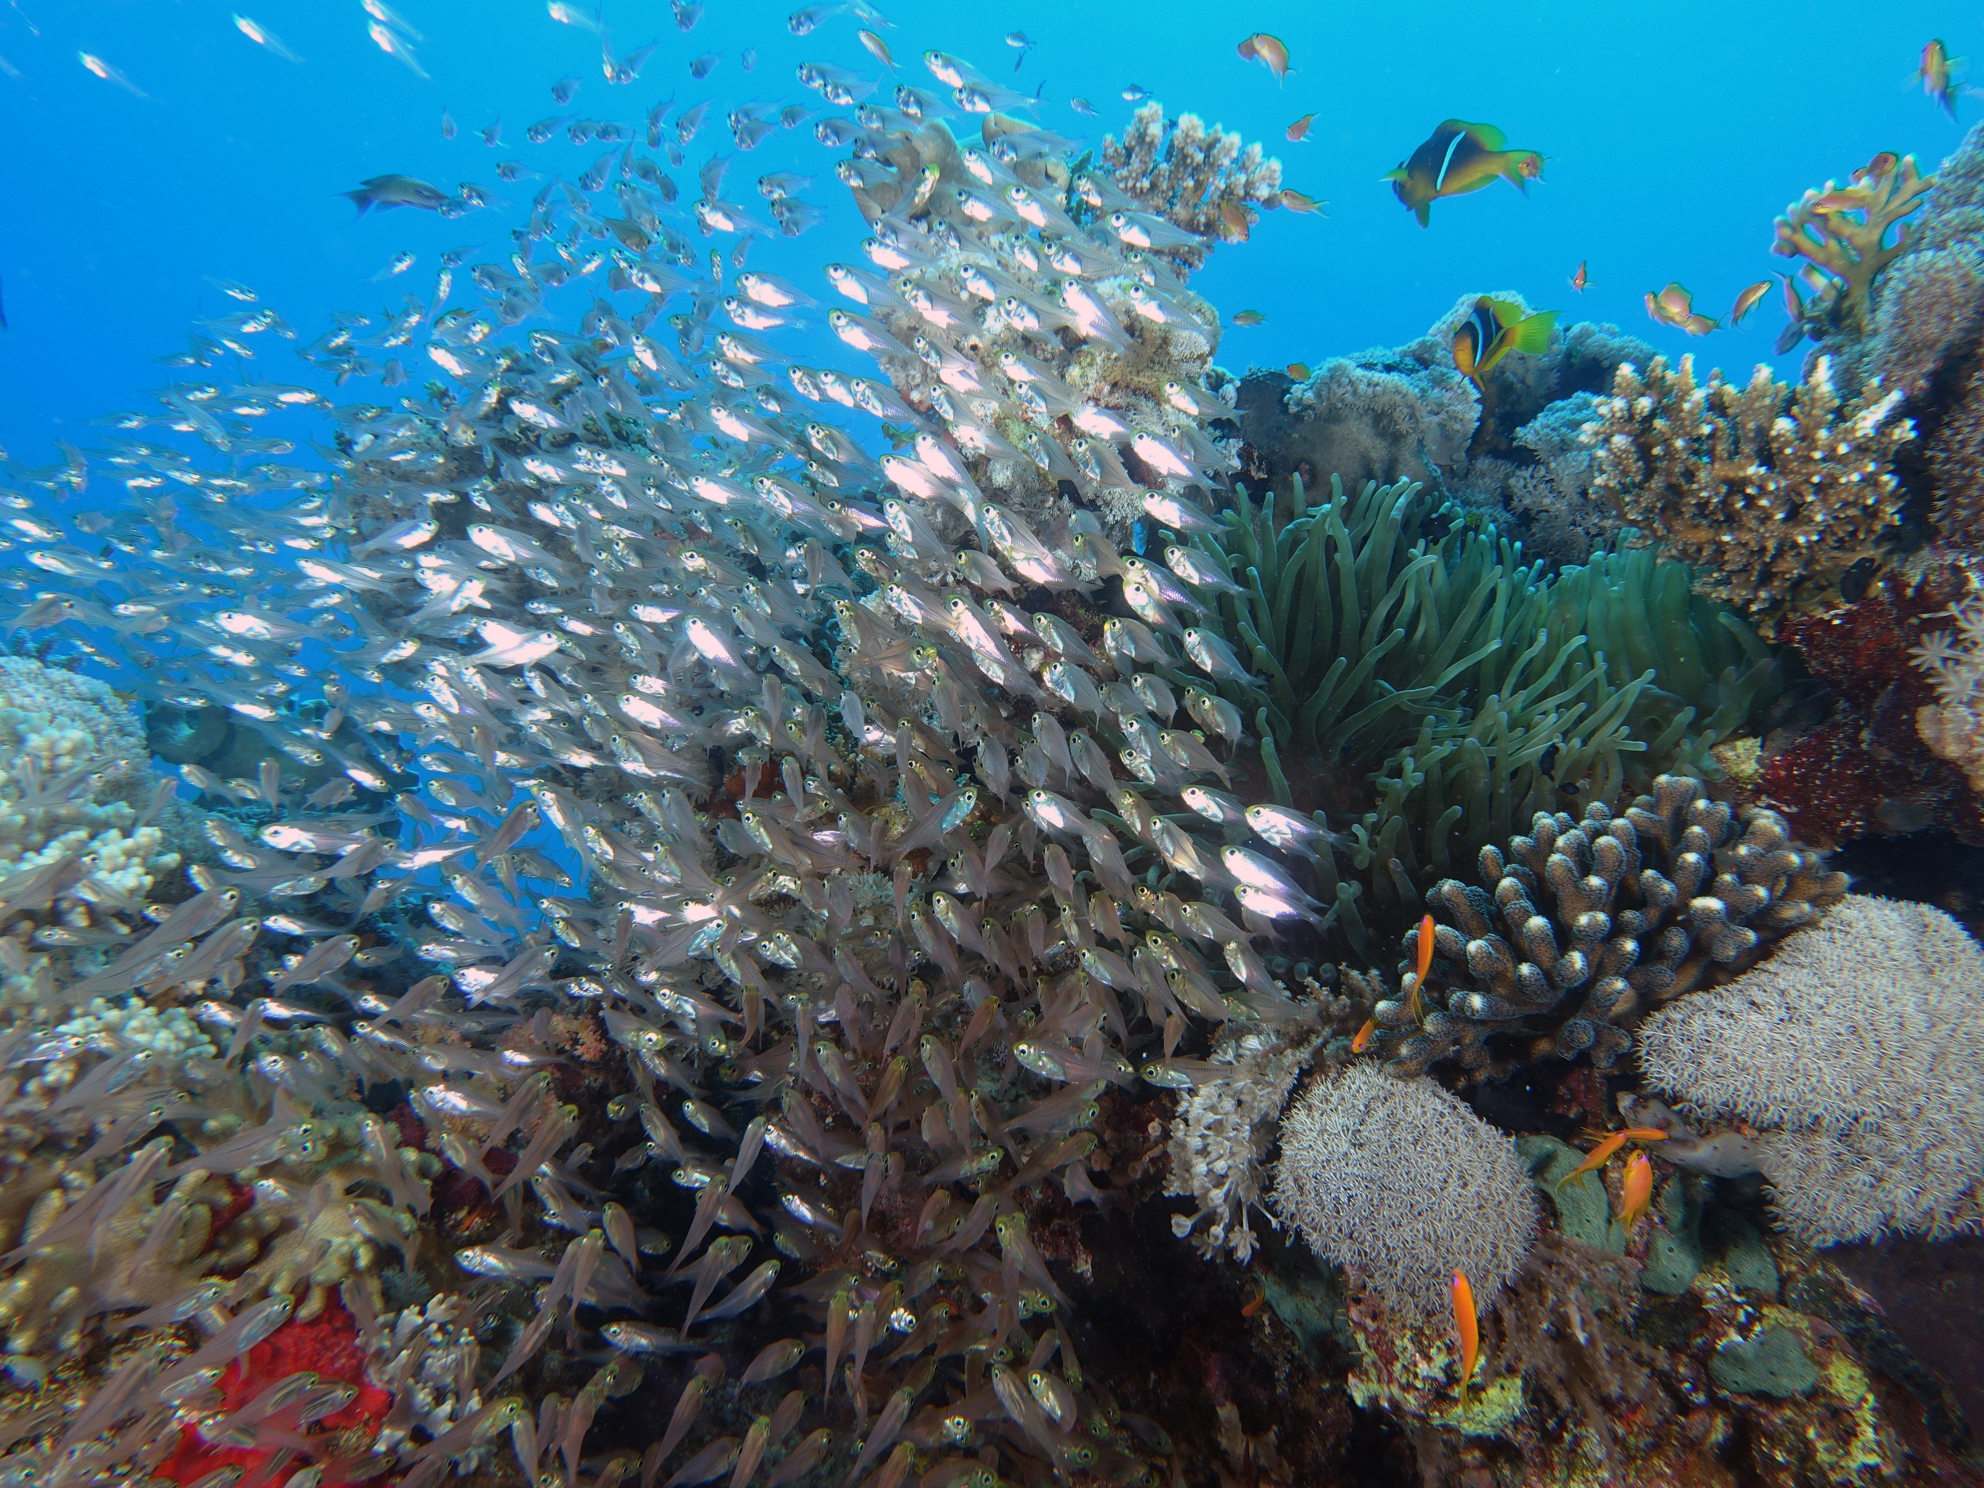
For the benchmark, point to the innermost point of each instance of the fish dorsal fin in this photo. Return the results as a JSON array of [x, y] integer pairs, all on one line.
[[1506, 312], [1485, 135]]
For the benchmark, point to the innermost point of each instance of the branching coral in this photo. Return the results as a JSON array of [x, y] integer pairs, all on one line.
[[1221, 1135], [1857, 1054], [1208, 181], [1771, 492], [1845, 233], [1583, 925], [1953, 725], [1400, 1182]]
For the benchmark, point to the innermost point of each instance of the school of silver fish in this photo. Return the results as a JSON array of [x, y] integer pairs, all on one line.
[[614, 679]]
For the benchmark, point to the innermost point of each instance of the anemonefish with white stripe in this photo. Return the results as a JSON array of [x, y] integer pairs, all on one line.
[[1459, 158], [1496, 328]]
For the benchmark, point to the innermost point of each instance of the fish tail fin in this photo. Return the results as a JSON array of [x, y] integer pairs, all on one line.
[[1532, 334]]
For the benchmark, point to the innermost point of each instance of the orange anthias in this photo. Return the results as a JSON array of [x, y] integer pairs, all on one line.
[[1468, 1327], [1600, 1155], [1423, 961], [1362, 1040], [1638, 1195]]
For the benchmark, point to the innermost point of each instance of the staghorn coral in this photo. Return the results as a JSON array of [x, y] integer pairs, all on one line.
[[1598, 920], [1856, 1053], [1401, 1184], [1771, 492], [1209, 182], [1844, 233]]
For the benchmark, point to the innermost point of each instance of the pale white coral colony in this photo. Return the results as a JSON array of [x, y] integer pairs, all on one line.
[[1857, 1051]]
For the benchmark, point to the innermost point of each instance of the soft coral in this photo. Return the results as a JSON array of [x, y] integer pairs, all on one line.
[[327, 1345]]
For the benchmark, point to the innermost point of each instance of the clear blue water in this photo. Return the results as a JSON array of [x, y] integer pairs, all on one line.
[[1674, 135]]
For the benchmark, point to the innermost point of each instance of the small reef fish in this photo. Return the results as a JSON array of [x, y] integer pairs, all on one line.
[[877, 48], [1299, 130], [1268, 51], [263, 37], [1879, 166], [1580, 279], [387, 192], [1459, 158], [1362, 1039], [1248, 317], [1675, 306], [1636, 1197], [110, 74], [1467, 1330], [1937, 74], [395, 46], [1297, 201], [1298, 371], [1794, 306], [1600, 1155], [1746, 300], [1496, 328]]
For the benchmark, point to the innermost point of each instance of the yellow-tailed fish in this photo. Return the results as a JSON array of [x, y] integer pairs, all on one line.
[[1459, 158], [1496, 328]]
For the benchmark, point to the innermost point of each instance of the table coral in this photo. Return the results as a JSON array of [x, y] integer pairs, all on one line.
[[1772, 492]]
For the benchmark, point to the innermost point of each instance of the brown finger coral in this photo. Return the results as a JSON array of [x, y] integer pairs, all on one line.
[[1772, 492], [1583, 925]]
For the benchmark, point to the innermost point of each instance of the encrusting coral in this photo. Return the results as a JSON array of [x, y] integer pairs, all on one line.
[[1772, 492], [1855, 1056], [1582, 926], [1403, 1185]]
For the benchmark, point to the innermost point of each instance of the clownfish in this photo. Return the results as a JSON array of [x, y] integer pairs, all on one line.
[[1496, 328], [1459, 158]]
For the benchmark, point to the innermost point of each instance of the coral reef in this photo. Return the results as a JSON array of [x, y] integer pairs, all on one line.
[[1403, 1185], [1856, 1053], [1773, 493], [1221, 1134], [1406, 413], [1599, 921], [1207, 181], [1849, 235]]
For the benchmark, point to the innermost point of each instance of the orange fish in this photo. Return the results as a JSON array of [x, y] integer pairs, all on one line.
[[1248, 1309], [1362, 1041], [1423, 959], [1637, 1196], [1298, 371], [1600, 1155], [1937, 74], [1879, 166], [1299, 130], [1268, 51], [1746, 301], [1468, 1327], [1233, 217], [1580, 279]]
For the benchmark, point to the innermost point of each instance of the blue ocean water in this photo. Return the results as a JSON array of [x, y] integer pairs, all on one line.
[[1674, 134]]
